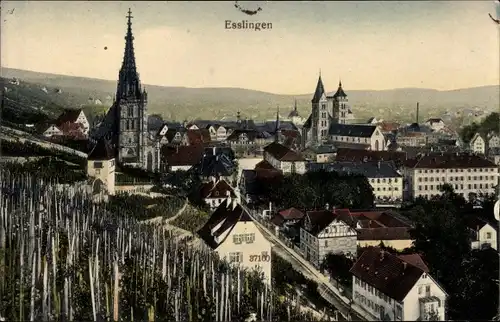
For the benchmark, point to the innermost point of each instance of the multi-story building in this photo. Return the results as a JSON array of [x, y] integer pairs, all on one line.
[[478, 144], [375, 227], [384, 178], [357, 136], [466, 173], [284, 159], [396, 288], [435, 124], [215, 192], [324, 232], [232, 233]]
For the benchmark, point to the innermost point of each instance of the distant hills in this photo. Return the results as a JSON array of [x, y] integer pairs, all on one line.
[[179, 103]]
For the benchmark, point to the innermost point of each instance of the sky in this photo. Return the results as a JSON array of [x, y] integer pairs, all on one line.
[[368, 45]]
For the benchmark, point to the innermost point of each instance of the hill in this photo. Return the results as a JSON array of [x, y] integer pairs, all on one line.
[[179, 103]]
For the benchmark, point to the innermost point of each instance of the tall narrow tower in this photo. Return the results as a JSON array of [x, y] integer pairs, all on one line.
[[277, 127], [130, 108], [339, 105], [319, 117]]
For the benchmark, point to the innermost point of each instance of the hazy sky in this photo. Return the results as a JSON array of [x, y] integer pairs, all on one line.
[[369, 45]]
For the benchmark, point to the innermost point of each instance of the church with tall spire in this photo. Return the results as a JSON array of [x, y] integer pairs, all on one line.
[[326, 109], [126, 123]]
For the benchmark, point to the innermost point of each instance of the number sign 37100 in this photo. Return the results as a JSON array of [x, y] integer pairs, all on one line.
[[260, 258]]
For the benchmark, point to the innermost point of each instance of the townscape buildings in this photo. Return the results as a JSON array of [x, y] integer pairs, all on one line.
[[400, 163]]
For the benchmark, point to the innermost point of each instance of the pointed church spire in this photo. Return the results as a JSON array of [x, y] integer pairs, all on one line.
[[129, 86], [340, 91], [320, 90], [295, 106]]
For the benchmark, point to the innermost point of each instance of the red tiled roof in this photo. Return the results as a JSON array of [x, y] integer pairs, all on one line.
[[415, 260], [198, 136], [264, 165], [386, 272], [449, 161], [291, 214], [282, 153], [219, 189], [68, 116], [277, 220], [356, 155], [183, 155], [290, 134], [389, 126]]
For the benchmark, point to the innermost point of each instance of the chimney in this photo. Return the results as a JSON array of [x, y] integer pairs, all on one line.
[[404, 266], [327, 206], [417, 111], [382, 255], [214, 150]]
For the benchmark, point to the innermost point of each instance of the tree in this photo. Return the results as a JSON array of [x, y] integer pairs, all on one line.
[[440, 233], [314, 190], [489, 124], [338, 266]]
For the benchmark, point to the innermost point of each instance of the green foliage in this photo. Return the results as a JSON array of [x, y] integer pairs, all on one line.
[[49, 169], [338, 266], [142, 207], [489, 124], [187, 182], [316, 189], [191, 219], [442, 236], [27, 149]]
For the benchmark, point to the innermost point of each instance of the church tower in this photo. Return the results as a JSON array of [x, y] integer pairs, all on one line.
[[339, 105], [131, 103], [320, 120]]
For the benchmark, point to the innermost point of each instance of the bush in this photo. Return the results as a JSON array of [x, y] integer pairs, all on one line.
[[142, 207], [191, 219]]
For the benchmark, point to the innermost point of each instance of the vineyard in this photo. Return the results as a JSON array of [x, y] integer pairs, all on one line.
[[64, 257]]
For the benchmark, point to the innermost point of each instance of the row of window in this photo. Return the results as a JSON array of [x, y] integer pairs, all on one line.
[[369, 303], [459, 186], [387, 188], [352, 139], [455, 170], [372, 290], [384, 180], [461, 178], [244, 238]]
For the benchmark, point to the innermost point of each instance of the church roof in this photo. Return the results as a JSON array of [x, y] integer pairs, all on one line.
[[320, 90], [69, 115], [352, 130], [340, 92], [101, 151]]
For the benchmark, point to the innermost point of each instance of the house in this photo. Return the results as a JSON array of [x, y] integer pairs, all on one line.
[[493, 141], [51, 131], [217, 132], [394, 289], [232, 233], [182, 157], [215, 192], [320, 154], [74, 116], [435, 124], [215, 164], [247, 137], [375, 227], [196, 137], [355, 155], [323, 232], [413, 139], [284, 159], [101, 166], [357, 136], [483, 234], [478, 144], [383, 176], [466, 173], [287, 217]]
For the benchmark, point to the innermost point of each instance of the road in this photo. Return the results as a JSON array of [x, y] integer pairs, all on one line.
[[325, 288]]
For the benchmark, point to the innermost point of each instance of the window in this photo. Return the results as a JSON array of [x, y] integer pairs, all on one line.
[[236, 257], [130, 111], [399, 312], [237, 239], [326, 243], [97, 171], [132, 124], [488, 235], [427, 289], [249, 238]]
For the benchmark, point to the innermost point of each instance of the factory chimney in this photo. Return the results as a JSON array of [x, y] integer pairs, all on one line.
[[417, 113]]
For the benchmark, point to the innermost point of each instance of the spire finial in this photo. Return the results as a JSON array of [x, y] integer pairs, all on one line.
[[340, 82], [295, 105], [320, 72], [129, 16]]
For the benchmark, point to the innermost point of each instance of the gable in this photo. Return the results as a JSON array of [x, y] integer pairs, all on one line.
[[163, 130], [337, 226], [221, 129], [193, 127]]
